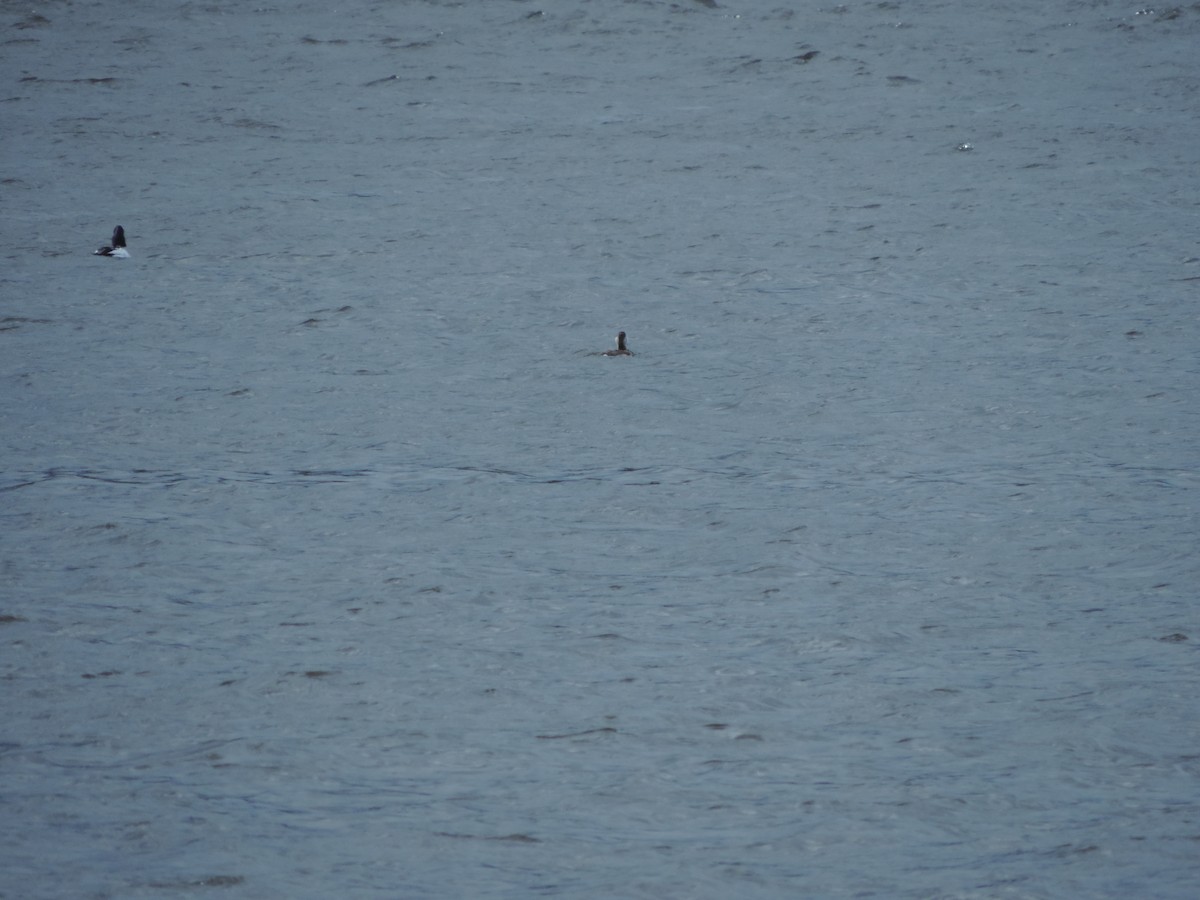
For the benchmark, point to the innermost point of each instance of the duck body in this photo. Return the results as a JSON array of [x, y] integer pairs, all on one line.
[[116, 249], [621, 350]]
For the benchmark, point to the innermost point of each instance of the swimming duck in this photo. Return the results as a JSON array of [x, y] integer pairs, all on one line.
[[117, 249], [621, 350]]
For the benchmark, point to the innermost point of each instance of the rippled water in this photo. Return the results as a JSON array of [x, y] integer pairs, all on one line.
[[337, 561]]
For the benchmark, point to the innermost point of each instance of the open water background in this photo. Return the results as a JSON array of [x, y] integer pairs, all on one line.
[[336, 561]]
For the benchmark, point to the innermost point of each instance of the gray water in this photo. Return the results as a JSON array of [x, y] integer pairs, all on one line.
[[337, 562]]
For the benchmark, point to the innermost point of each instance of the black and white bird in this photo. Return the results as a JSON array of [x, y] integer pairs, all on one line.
[[621, 350], [117, 249]]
